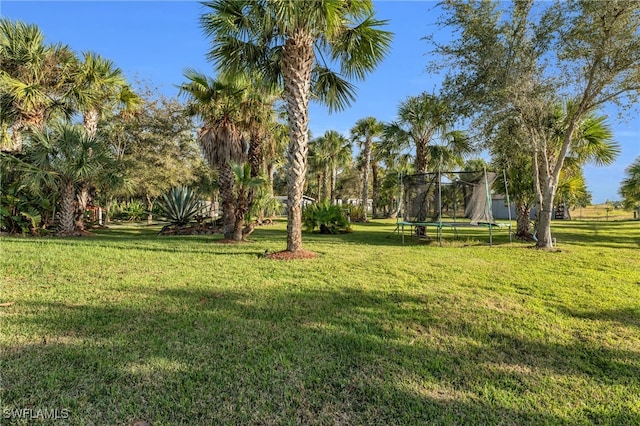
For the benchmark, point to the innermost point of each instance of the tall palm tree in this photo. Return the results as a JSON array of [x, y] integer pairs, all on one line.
[[97, 89], [217, 104], [100, 88], [421, 120], [64, 156], [294, 44], [364, 132], [35, 79], [337, 152], [318, 166]]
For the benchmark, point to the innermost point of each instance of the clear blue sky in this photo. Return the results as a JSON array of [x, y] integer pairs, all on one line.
[[157, 40]]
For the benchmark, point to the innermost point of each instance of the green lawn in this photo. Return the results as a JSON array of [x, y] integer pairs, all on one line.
[[127, 326]]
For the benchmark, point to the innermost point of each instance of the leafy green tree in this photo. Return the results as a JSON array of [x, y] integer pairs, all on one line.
[[157, 148], [630, 186], [295, 44], [504, 62], [365, 132]]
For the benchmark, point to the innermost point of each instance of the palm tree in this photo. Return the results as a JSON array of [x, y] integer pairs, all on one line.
[[337, 151], [217, 104], [35, 79], [100, 88], [364, 132], [630, 186], [97, 89], [244, 184], [318, 166], [64, 156], [294, 43], [421, 119]]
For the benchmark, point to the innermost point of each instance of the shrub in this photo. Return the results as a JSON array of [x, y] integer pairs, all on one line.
[[132, 210], [329, 219], [356, 213], [180, 205]]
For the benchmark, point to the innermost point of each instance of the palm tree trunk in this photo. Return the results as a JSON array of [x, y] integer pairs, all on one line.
[[365, 177], [90, 122], [374, 184], [83, 200], [149, 208], [226, 195], [66, 226], [271, 170], [334, 175], [240, 210], [421, 160], [325, 184], [16, 137], [523, 222], [319, 182], [255, 160], [297, 62]]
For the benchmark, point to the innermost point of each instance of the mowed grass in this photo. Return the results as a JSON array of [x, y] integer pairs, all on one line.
[[129, 326]]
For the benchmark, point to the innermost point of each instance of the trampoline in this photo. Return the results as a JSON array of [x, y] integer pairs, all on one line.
[[448, 200]]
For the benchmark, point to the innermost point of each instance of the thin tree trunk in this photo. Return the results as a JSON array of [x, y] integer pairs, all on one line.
[[66, 226], [374, 183], [365, 176], [325, 184], [83, 201], [149, 208], [297, 62], [334, 175], [319, 182], [255, 160], [226, 182], [241, 209]]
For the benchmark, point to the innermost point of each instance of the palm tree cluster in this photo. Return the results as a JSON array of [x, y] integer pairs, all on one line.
[[42, 89]]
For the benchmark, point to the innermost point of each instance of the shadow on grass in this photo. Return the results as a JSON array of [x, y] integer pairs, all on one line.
[[628, 317], [314, 357], [596, 233]]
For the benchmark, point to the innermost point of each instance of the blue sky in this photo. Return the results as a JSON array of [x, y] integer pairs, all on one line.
[[157, 40]]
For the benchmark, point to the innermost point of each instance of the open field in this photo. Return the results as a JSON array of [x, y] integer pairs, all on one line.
[[127, 326], [601, 212]]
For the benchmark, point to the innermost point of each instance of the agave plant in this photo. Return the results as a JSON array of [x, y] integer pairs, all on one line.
[[180, 205]]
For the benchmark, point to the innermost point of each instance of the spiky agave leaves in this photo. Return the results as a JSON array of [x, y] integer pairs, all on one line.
[[180, 205]]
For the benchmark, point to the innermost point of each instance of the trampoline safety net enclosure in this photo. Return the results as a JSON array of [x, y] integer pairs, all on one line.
[[432, 197], [448, 199]]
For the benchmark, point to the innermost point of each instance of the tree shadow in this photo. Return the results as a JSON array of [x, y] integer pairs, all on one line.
[[313, 357], [628, 317]]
